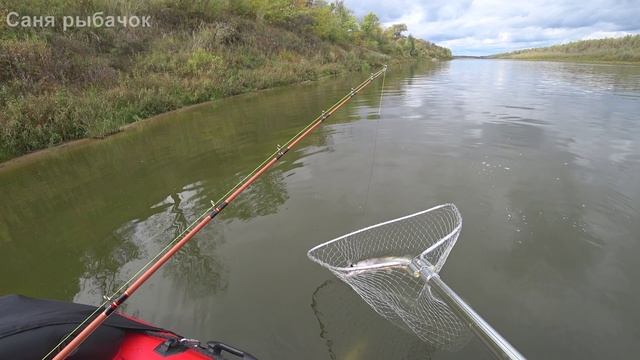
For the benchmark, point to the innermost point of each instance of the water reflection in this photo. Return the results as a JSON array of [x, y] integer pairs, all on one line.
[[196, 270], [350, 330]]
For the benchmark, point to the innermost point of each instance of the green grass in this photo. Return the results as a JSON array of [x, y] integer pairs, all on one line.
[[614, 50], [59, 86]]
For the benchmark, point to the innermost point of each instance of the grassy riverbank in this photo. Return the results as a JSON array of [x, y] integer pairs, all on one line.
[[57, 85], [614, 50]]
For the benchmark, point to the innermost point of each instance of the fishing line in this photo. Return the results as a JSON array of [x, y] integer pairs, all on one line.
[[373, 151], [323, 327], [173, 246], [381, 93]]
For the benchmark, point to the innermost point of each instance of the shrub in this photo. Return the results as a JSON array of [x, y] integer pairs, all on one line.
[[58, 86]]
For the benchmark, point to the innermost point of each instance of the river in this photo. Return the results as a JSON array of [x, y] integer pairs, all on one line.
[[541, 158]]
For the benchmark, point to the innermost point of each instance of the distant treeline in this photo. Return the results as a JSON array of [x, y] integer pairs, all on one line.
[[89, 81], [623, 49]]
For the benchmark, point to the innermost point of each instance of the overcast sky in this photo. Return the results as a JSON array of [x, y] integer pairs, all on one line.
[[484, 27]]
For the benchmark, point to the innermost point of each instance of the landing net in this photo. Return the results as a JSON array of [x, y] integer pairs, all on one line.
[[379, 263]]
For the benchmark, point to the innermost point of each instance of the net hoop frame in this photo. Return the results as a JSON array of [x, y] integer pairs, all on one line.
[[455, 232]]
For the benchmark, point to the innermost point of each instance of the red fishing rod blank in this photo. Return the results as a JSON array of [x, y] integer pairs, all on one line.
[[108, 308]]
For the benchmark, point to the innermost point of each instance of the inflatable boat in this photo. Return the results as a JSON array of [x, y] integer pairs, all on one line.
[[30, 328]]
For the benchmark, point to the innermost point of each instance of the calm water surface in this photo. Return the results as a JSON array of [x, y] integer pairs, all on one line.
[[543, 160]]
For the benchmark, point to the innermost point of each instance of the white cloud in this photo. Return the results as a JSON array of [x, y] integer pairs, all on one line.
[[483, 27]]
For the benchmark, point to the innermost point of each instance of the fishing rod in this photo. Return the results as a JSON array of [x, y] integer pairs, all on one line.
[[108, 307]]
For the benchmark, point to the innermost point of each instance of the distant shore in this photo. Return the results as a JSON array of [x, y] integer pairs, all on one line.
[[553, 59], [623, 50]]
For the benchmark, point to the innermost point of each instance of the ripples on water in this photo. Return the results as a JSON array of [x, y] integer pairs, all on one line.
[[542, 159]]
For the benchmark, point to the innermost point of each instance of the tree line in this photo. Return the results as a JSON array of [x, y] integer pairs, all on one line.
[[623, 49]]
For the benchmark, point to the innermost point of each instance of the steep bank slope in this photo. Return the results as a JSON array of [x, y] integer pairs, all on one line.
[[61, 84]]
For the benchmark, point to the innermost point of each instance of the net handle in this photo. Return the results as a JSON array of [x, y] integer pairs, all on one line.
[[498, 345]]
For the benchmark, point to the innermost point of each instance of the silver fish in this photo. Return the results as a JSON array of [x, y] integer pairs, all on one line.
[[387, 261]]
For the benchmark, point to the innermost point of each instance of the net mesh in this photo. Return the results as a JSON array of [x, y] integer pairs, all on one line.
[[379, 263]]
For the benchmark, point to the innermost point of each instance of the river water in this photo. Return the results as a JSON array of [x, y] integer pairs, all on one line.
[[541, 158]]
